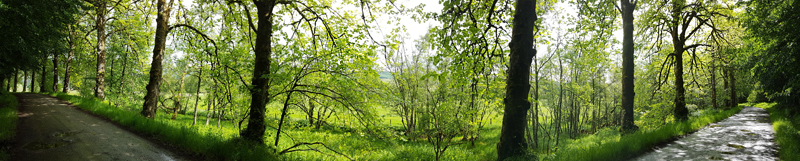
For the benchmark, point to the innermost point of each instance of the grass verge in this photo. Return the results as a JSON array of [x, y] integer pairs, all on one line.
[[8, 122], [207, 142], [610, 145], [787, 134]]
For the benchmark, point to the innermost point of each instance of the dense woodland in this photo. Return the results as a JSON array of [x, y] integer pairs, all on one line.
[[344, 79]]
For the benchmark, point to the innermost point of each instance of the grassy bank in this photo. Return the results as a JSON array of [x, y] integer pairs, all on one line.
[[608, 144], [8, 122], [787, 133], [205, 141]]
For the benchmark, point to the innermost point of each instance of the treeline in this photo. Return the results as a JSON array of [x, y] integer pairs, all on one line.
[[541, 76]]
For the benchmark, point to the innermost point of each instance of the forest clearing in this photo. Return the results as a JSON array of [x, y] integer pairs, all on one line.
[[401, 79]]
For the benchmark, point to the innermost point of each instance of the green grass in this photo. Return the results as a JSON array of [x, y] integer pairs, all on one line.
[[354, 141], [787, 135], [206, 141], [8, 121], [608, 144]]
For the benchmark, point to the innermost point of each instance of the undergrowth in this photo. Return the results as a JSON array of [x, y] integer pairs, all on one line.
[[8, 121], [609, 144], [787, 134], [205, 141]]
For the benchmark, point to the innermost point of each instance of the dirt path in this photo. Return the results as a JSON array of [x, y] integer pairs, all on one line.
[[748, 135], [50, 129]]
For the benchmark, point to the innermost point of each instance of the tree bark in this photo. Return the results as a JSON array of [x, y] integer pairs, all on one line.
[[680, 112], [731, 74], [24, 83], [16, 79], [153, 85], [260, 91], [512, 136], [100, 24], [197, 93], [33, 80], [44, 73], [67, 62], [628, 67], [55, 72], [714, 83]]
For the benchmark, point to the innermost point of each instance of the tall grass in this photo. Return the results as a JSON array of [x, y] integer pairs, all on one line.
[[787, 134], [608, 144], [8, 121], [208, 142]]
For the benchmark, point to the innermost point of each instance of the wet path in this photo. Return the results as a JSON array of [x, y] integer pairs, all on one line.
[[748, 135], [49, 129]]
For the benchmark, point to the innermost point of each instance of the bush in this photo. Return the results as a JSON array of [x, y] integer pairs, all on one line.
[[8, 121]]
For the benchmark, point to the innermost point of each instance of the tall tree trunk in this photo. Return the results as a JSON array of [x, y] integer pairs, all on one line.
[[55, 72], [680, 111], [33, 80], [24, 83], [44, 73], [628, 67], [512, 136], [725, 85], [16, 79], [213, 93], [197, 93], [67, 62], [714, 83], [260, 92], [153, 85], [732, 74], [100, 24]]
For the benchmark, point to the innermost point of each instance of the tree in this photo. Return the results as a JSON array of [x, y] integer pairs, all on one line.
[[260, 83], [683, 22], [512, 137], [162, 28], [773, 26], [101, 11], [626, 9]]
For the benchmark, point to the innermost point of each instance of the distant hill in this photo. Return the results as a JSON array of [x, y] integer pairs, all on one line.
[[385, 75]]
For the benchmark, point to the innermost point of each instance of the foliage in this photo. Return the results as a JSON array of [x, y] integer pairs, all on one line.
[[31, 30], [8, 121], [772, 29]]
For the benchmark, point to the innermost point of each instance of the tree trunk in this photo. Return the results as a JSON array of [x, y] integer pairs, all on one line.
[[24, 83], [44, 73], [310, 112], [210, 104], [628, 67], [16, 79], [67, 62], [197, 93], [153, 85], [33, 80], [100, 24], [55, 72], [260, 92], [714, 83], [731, 74], [680, 111], [512, 136]]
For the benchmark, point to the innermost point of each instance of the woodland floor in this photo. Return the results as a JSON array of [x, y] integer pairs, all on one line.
[[748, 135], [52, 129]]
